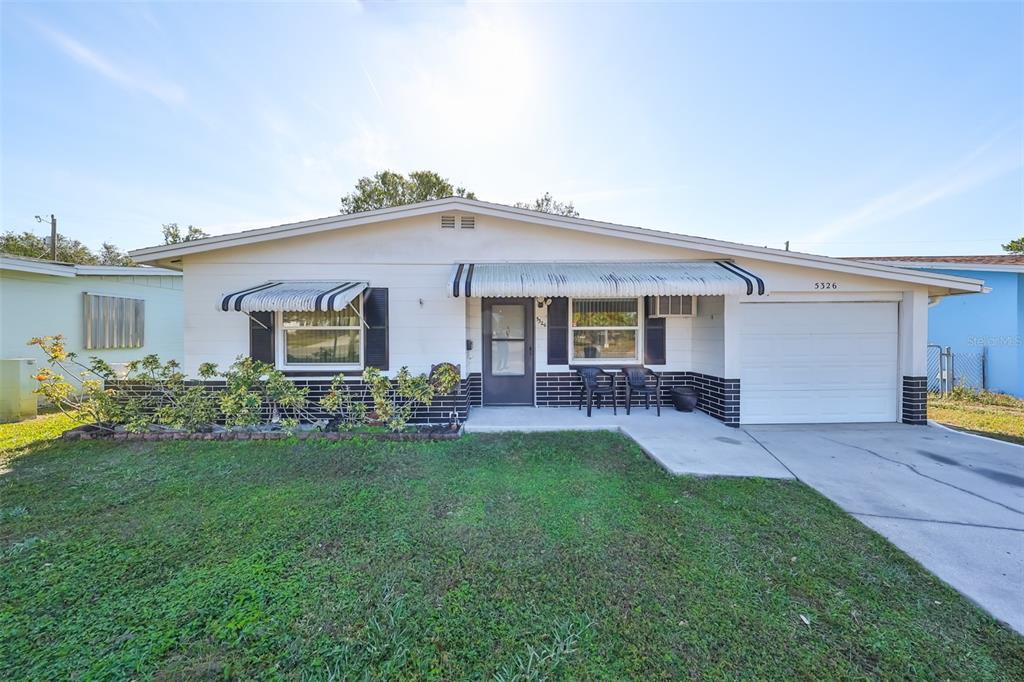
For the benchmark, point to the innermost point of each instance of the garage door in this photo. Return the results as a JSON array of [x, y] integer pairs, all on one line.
[[819, 363]]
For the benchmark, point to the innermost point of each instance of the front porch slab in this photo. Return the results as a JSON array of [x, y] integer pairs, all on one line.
[[682, 443]]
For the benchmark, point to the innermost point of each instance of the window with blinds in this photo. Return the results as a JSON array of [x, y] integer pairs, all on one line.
[[605, 329], [114, 322]]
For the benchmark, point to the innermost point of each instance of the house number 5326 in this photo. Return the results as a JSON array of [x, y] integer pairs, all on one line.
[[826, 285]]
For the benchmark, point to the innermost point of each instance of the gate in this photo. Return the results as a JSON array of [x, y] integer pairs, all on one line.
[[947, 369]]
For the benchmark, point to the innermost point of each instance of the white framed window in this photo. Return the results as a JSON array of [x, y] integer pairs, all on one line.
[[321, 340], [603, 330], [673, 306]]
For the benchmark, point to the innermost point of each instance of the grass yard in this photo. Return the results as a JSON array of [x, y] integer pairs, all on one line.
[[566, 556], [988, 414], [15, 437]]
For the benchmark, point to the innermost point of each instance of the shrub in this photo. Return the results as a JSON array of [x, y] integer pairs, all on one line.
[[94, 402], [348, 407], [395, 401], [250, 384], [156, 392]]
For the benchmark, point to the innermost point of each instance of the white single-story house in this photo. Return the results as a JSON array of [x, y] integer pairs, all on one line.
[[114, 313], [518, 298]]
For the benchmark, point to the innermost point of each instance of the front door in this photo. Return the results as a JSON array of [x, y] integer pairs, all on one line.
[[508, 351]]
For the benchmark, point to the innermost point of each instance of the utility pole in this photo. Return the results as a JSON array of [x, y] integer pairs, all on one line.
[[53, 235]]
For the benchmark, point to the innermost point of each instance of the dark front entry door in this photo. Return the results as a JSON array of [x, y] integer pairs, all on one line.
[[508, 351]]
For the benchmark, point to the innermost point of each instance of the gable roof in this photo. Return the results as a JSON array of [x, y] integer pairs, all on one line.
[[718, 247], [991, 263]]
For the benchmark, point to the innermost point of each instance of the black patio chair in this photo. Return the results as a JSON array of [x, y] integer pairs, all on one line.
[[638, 382], [592, 388]]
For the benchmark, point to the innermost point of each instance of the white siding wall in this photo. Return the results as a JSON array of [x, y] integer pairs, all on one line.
[[474, 329], [708, 354], [413, 258], [425, 326]]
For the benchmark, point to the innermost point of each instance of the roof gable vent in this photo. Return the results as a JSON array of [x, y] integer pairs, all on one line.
[[448, 222], [467, 222]]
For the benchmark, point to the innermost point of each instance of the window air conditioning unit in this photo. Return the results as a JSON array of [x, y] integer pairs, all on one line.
[[673, 306]]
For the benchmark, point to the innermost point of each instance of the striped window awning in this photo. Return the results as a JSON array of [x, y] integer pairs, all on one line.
[[694, 278], [293, 296]]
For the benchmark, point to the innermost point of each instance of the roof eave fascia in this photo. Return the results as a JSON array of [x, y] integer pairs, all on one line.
[[123, 271], [940, 265], [17, 265], [501, 211]]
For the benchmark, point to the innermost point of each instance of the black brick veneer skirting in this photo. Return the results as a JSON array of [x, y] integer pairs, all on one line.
[[443, 410], [473, 388], [719, 397], [915, 400]]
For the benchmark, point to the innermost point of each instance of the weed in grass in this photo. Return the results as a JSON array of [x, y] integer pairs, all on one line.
[[995, 415], [539, 663], [13, 513]]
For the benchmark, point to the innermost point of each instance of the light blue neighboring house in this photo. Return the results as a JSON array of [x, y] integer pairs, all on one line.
[[973, 323]]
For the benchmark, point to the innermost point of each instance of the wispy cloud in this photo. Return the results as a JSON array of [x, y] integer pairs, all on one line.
[[997, 156], [373, 86], [167, 92]]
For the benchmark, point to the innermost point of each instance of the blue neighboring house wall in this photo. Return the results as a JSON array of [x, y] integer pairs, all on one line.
[[994, 321]]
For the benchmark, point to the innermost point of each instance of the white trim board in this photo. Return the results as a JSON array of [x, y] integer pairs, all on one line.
[[42, 267]]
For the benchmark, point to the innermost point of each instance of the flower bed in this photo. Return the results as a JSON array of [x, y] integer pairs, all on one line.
[[250, 400]]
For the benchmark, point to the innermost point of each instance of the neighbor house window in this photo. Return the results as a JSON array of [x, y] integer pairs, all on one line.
[[113, 322], [605, 329], [323, 338]]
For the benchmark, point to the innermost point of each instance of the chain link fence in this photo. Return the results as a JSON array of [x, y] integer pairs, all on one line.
[[947, 369]]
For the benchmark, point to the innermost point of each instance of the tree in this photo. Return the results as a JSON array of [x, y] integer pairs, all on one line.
[[174, 235], [111, 255], [1015, 246], [34, 246], [547, 204], [389, 188]]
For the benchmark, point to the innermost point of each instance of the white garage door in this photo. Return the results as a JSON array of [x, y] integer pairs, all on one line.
[[819, 363]]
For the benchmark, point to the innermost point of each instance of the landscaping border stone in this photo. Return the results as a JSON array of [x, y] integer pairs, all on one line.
[[92, 432]]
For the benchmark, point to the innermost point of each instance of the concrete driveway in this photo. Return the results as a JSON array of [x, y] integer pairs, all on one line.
[[952, 501]]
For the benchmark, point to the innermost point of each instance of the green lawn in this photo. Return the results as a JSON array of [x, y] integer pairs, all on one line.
[[16, 436], [547, 555], [988, 414]]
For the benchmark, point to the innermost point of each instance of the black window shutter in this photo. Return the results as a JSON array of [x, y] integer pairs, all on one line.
[[654, 336], [558, 331], [375, 314], [261, 337]]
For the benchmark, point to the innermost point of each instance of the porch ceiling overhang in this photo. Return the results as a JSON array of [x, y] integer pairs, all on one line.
[[694, 278], [293, 296]]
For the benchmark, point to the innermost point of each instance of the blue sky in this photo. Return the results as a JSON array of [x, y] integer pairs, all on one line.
[[864, 129]]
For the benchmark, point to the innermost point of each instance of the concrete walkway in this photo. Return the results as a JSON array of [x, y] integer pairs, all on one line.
[[952, 501], [682, 443]]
